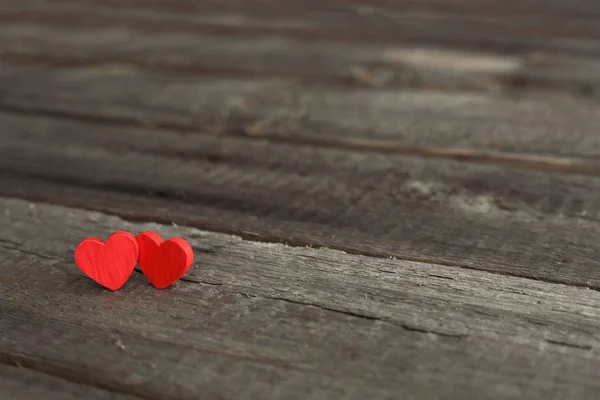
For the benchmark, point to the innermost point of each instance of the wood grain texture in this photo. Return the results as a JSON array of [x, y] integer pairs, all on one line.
[[454, 125], [255, 320], [284, 122], [524, 223], [17, 383], [394, 47]]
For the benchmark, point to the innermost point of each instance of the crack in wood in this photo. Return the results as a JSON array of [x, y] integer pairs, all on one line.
[[364, 316], [568, 344], [66, 374], [356, 314], [33, 253], [441, 276]]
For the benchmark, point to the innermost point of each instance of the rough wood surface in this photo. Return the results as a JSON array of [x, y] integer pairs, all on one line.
[[257, 320], [525, 223], [18, 383]]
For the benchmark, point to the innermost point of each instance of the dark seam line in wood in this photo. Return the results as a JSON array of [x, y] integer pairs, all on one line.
[[136, 217], [10, 242], [334, 310], [367, 317], [515, 160], [322, 307], [441, 276], [33, 253], [567, 344], [48, 368]]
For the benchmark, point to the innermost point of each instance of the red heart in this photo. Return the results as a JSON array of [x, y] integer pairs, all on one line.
[[109, 263], [163, 262]]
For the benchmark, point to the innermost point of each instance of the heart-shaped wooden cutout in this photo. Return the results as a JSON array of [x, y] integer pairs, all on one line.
[[163, 262], [108, 263]]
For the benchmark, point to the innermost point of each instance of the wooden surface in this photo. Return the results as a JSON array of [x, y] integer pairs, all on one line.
[[259, 320], [386, 199]]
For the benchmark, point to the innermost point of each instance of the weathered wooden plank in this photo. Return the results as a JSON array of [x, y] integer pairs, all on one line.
[[272, 56], [522, 223], [49, 36], [575, 10], [477, 8], [388, 120], [259, 320], [466, 23], [17, 383]]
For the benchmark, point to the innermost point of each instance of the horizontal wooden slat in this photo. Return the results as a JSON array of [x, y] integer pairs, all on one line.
[[397, 121], [258, 320], [312, 43], [23, 384], [462, 22], [579, 9], [522, 223], [273, 56]]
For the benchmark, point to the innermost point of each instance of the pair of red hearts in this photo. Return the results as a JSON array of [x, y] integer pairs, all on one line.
[[110, 263]]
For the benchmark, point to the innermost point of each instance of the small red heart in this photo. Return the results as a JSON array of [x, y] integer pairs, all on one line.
[[163, 262], [109, 263]]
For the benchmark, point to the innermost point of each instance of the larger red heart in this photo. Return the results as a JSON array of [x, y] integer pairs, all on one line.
[[163, 262], [109, 263]]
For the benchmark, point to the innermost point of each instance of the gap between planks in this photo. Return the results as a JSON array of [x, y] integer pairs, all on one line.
[[137, 217]]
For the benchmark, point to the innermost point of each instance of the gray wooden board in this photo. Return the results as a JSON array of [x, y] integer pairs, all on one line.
[[257, 320], [18, 383], [490, 25], [519, 222], [436, 123], [42, 32], [488, 10]]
